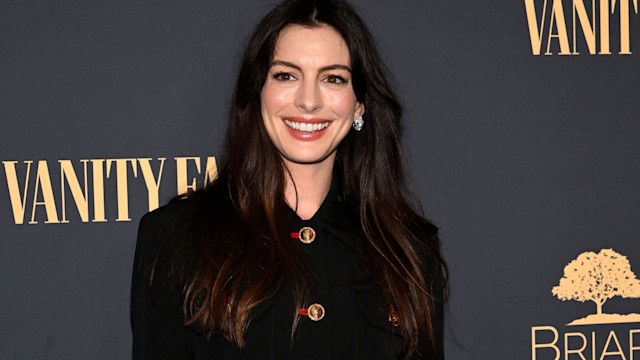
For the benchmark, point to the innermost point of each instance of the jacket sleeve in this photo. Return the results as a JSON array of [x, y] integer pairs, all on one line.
[[158, 325]]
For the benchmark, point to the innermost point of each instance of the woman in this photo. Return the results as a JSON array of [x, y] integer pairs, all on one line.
[[304, 247]]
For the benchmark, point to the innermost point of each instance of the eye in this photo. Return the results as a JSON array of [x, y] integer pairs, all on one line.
[[335, 79], [283, 76]]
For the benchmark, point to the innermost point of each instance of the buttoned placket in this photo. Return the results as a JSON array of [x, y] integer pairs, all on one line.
[[308, 236], [316, 322], [332, 255]]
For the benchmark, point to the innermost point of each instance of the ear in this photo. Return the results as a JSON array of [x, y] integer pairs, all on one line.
[[359, 110]]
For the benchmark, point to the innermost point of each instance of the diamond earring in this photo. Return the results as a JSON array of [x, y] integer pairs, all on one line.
[[358, 123]]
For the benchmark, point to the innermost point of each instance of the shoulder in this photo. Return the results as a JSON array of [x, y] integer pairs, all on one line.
[[165, 238], [176, 217], [166, 233], [164, 224], [168, 215]]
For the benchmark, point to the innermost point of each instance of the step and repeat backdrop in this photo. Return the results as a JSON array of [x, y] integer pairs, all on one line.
[[522, 134]]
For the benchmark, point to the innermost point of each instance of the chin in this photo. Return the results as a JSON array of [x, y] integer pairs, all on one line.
[[306, 159]]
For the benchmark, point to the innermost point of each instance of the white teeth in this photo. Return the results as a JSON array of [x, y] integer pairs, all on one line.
[[306, 127]]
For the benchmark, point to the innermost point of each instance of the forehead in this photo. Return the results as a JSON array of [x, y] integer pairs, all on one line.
[[320, 45]]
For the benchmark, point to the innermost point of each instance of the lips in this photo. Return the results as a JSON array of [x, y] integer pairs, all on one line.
[[305, 126], [306, 129]]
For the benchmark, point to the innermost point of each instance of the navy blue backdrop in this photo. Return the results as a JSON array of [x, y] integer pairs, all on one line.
[[522, 144]]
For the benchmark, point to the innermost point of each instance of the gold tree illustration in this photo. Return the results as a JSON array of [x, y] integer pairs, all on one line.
[[598, 278]]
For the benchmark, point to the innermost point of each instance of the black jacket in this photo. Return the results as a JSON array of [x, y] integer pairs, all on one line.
[[356, 322]]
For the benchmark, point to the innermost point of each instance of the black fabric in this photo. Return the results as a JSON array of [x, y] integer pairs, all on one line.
[[355, 326]]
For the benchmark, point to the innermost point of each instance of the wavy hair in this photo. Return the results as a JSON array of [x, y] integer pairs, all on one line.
[[240, 266]]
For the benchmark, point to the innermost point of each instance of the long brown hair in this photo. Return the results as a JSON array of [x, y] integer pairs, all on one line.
[[240, 232]]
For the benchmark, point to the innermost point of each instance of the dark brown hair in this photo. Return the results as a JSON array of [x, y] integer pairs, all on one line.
[[241, 233]]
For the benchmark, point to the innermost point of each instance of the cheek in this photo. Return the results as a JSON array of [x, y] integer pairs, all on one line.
[[265, 106], [272, 100], [266, 101], [344, 105]]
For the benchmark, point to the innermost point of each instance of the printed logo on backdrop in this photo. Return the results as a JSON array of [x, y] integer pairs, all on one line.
[[574, 27], [594, 278], [39, 190]]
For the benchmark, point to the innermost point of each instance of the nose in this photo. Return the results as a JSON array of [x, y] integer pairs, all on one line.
[[308, 97]]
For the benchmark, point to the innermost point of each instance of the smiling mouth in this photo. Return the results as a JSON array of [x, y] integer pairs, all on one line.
[[306, 127]]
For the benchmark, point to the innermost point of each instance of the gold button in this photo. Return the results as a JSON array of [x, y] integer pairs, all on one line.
[[307, 235], [315, 312]]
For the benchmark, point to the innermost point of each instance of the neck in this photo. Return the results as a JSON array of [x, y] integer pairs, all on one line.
[[312, 183]]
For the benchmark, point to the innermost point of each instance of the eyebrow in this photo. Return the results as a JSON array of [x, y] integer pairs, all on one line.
[[324, 68]]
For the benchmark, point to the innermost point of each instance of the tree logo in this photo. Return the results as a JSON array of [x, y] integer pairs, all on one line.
[[598, 278]]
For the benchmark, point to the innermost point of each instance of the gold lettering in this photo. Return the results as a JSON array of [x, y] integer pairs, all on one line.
[[588, 28], [558, 27], [80, 197], [18, 202], [534, 34], [212, 170], [568, 351], [183, 183], [153, 186], [80, 188], [557, 18], [604, 28], [122, 185], [181, 174], [98, 190], [43, 181], [632, 347], [605, 351], [625, 47], [535, 346]]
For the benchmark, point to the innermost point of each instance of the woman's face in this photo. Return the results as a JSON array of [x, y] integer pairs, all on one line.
[[308, 103]]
